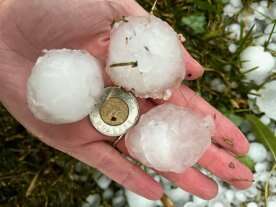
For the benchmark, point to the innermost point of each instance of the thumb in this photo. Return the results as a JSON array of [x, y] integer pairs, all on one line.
[[132, 7]]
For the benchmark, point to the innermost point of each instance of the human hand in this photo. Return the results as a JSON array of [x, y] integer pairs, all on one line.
[[28, 27]]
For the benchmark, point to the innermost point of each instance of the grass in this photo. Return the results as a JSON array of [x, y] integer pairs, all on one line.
[[32, 174]]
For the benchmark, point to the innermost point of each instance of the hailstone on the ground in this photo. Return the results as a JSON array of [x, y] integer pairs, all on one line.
[[145, 56], [267, 99], [257, 63], [64, 85], [170, 138]]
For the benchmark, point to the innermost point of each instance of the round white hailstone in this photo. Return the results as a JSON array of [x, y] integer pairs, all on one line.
[[254, 6], [191, 204], [229, 10], [252, 192], [145, 56], [265, 119], [94, 200], [218, 204], [178, 196], [252, 204], [227, 68], [272, 46], [199, 201], [261, 167], [253, 94], [103, 182], [261, 12], [257, 152], [108, 194], [235, 31], [118, 201], [236, 3], [240, 196], [260, 41], [272, 10], [267, 99], [262, 177], [251, 137], [271, 203], [264, 3], [234, 84], [269, 29], [232, 48], [229, 195], [135, 200], [64, 86], [254, 57], [272, 183], [170, 138], [217, 85]]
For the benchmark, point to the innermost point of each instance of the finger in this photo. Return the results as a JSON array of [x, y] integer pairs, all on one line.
[[194, 182], [226, 134], [97, 154], [193, 69], [110, 162], [225, 166], [191, 180]]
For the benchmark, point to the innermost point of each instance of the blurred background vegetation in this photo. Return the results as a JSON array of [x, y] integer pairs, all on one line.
[[32, 174]]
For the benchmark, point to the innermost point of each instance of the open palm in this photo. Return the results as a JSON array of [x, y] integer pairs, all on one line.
[[28, 27]]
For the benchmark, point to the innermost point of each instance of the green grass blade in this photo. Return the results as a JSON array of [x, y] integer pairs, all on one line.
[[246, 160], [263, 133]]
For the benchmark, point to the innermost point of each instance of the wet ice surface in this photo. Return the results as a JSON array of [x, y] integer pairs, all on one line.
[[170, 138], [145, 56]]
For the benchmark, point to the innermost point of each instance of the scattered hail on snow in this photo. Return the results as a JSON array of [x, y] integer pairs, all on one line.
[[166, 132], [145, 56], [64, 86]]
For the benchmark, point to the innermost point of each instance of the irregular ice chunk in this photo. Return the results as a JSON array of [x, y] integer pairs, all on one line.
[[169, 138], [146, 56], [261, 63], [257, 152], [267, 99], [64, 86]]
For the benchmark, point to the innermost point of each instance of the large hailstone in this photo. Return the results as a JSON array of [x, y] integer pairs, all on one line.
[[169, 138], [267, 99], [145, 56], [64, 86], [260, 62]]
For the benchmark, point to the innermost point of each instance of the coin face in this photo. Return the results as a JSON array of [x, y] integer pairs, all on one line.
[[116, 112]]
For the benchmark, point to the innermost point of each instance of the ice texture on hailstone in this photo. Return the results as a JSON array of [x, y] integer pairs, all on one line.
[[255, 57], [64, 86], [267, 99], [170, 138], [145, 56]]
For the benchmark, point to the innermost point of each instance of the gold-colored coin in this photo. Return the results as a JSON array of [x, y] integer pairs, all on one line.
[[114, 111]]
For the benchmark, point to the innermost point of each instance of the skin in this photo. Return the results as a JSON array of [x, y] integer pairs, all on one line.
[[27, 27]]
